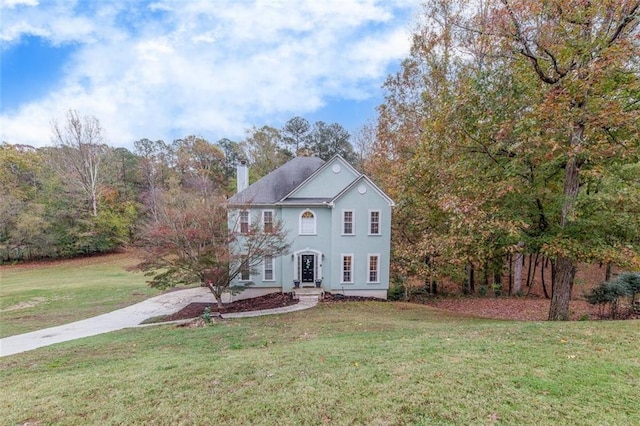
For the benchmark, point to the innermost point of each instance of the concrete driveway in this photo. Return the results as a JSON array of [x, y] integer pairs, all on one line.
[[130, 316]]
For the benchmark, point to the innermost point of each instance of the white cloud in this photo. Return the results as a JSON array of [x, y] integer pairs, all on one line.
[[213, 68]]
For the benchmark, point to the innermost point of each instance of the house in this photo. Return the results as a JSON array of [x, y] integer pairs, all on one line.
[[338, 223]]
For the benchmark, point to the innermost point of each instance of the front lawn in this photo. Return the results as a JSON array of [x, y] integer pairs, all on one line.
[[36, 296], [350, 363]]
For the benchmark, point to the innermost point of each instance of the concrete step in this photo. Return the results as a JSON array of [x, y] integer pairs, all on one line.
[[312, 293]]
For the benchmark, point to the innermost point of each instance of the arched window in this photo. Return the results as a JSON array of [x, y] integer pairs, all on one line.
[[307, 223]]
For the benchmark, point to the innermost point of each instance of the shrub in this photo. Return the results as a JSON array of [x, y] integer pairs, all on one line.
[[396, 291], [608, 294], [632, 280]]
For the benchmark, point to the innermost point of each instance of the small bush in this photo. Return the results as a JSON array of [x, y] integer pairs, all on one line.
[[396, 292], [632, 280], [206, 315], [497, 290], [608, 294]]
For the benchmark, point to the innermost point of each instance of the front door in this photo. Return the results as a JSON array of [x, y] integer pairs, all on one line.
[[308, 267]]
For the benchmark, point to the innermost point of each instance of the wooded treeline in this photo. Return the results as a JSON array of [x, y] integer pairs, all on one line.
[[81, 196], [514, 128]]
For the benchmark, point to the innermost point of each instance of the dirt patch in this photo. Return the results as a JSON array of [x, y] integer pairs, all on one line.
[[31, 303], [510, 308], [516, 308]]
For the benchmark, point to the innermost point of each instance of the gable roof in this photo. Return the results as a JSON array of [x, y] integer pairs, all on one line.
[[370, 182], [273, 187], [319, 170]]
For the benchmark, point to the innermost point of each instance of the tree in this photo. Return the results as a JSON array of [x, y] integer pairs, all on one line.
[[81, 147], [585, 57], [295, 133], [155, 158], [199, 163], [499, 122], [264, 150], [233, 153], [327, 140], [193, 242]]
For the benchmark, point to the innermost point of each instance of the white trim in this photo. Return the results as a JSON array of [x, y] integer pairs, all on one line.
[[342, 270], [379, 223], [273, 218], [318, 263], [353, 222], [264, 269], [315, 222], [369, 256]]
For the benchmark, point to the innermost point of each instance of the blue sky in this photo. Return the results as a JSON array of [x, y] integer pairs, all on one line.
[[166, 69]]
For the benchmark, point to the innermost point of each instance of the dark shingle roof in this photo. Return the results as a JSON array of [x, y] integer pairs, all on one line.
[[272, 187]]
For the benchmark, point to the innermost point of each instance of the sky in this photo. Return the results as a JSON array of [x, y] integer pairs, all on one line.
[[167, 69]]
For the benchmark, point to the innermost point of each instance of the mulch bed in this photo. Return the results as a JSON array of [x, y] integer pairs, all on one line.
[[336, 298], [269, 301]]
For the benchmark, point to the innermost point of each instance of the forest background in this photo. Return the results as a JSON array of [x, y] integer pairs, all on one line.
[[511, 130]]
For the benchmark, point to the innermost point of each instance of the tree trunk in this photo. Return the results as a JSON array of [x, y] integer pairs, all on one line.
[[216, 294], [566, 271], [517, 274], [544, 286], [607, 273], [510, 258], [469, 287], [565, 266]]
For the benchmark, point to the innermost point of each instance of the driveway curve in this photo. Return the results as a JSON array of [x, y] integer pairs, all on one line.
[[131, 316]]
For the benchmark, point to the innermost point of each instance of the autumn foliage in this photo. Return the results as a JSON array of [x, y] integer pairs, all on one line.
[[514, 127]]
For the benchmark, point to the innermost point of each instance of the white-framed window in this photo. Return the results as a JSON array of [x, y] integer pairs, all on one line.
[[374, 222], [374, 268], [348, 227], [244, 222], [268, 268], [245, 272], [347, 268], [307, 223], [267, 221]]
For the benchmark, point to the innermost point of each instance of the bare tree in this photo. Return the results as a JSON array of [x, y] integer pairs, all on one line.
[[81, 146]]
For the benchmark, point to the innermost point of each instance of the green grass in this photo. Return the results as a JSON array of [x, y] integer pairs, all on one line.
[[352, 363], [38, 296]]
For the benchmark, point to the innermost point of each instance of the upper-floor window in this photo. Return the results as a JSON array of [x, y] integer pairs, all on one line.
[[374, 222], [347, 222], [244, 222], [307, 223], [267, 220]]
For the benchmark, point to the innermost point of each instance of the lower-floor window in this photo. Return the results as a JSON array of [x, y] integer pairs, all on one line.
[[245, 273], [374, 268], [267, 262], [347, 268]]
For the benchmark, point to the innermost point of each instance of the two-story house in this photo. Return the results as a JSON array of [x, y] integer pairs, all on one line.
[[338, 223]]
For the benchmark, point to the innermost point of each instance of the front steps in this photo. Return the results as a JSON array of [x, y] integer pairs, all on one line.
[[308, 293]]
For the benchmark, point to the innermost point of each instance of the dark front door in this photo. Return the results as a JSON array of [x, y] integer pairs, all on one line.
[[307, 267]]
